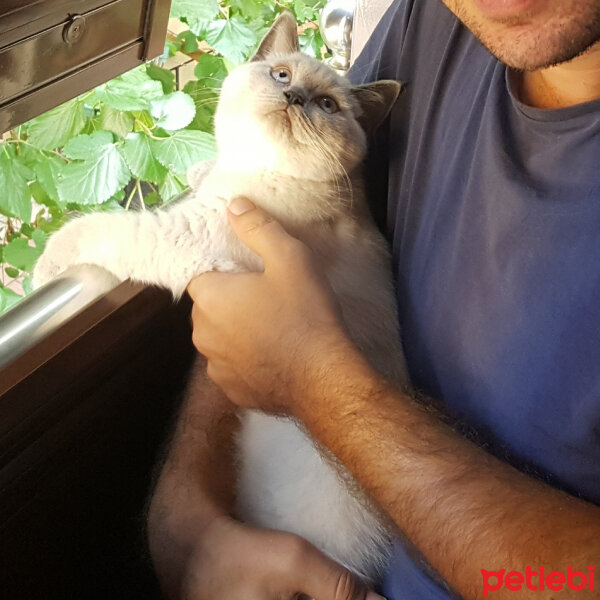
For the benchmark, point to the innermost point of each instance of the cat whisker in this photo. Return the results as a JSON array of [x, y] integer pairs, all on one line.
[[210, 77], [315, 138], [212, 102]]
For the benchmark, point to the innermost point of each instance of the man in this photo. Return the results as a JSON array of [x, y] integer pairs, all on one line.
[[492, 182]]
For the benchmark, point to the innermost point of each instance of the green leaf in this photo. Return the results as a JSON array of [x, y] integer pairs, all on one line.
[[100, 174], [131, 91], [25, 172], [195, 10], [27, 230], [27, 154], [232, 38], [8, 298], [211, 70], [302, 12], [171, 48], [52, 129], [88, 147], [151, 199], [174, 111], [15, 199], [57, 219], [12, 272], [205, 99], [118, 121], [144, 118], [172, 187], [189, 40], [250, 9], [165, 76], [309, 42], [118, 197], [47, 169], [183, 149], [40, 238], [27, 285], [137, 152], [91, 125], [39, 194], [20, 254]]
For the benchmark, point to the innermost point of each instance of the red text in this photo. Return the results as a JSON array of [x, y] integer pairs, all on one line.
[[538, 580]]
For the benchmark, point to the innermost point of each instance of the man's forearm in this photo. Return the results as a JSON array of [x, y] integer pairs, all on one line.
[[197, 479], [464, 509]]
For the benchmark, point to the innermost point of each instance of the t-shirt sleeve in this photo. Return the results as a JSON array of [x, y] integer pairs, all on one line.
[[381, 53]]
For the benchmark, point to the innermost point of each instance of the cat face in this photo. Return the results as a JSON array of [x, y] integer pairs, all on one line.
[[287, 112]]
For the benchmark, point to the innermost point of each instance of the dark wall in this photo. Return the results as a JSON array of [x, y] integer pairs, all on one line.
[[79, 435]]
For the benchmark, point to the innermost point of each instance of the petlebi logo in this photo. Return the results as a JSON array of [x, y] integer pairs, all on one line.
[[538, 580]]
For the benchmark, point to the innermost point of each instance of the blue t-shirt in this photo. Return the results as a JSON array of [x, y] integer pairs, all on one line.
[[493, 213]]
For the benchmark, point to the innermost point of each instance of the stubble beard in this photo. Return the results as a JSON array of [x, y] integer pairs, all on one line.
[[530, 42]]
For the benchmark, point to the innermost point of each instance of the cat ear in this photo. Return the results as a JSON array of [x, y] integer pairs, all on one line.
[[376, 101], [282, 38]]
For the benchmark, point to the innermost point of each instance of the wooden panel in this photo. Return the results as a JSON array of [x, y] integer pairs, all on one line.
[[48, 56], [41, 65], [82, 417], [21, 109], [23, 18], [157, 17]]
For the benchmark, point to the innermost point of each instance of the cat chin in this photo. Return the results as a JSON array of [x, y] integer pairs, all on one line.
[[276, 144]]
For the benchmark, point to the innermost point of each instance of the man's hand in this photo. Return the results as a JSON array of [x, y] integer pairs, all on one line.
[[238, 562], [265, 334]]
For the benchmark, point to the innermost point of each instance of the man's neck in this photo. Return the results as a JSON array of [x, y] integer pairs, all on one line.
[[566, 84]]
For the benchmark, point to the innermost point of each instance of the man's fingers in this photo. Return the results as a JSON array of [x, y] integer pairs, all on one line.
[[209, 287], [324, 579], [261, 233]]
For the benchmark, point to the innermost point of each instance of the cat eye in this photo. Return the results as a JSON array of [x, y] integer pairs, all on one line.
[[281, 75], [329, 105]]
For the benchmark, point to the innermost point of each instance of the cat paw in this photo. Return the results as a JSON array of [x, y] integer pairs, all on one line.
[[46, 269], [59, 254]]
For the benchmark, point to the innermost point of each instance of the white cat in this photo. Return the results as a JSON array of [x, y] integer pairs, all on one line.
[[291, 137]]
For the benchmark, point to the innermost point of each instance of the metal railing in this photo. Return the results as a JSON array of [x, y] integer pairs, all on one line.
[[336, 23], [44, 311]]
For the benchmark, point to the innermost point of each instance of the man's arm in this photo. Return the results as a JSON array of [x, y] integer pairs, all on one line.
[[464, 509], [195, 486]]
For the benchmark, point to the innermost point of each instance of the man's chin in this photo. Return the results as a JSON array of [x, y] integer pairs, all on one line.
[[528, 35], [532, 53]]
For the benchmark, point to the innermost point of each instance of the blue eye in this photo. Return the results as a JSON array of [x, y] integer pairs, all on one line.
[[327, 104], [281, 75]]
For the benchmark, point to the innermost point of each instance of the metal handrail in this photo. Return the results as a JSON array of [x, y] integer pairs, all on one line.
[[335, 24], [46, 309]]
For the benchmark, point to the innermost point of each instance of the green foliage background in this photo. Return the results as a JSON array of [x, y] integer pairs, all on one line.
[[128, 143]]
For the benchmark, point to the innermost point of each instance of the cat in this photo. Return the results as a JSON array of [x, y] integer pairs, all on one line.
[[291, 136]]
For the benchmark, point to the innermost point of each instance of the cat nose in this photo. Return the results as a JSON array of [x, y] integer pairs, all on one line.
[[294, 96]]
